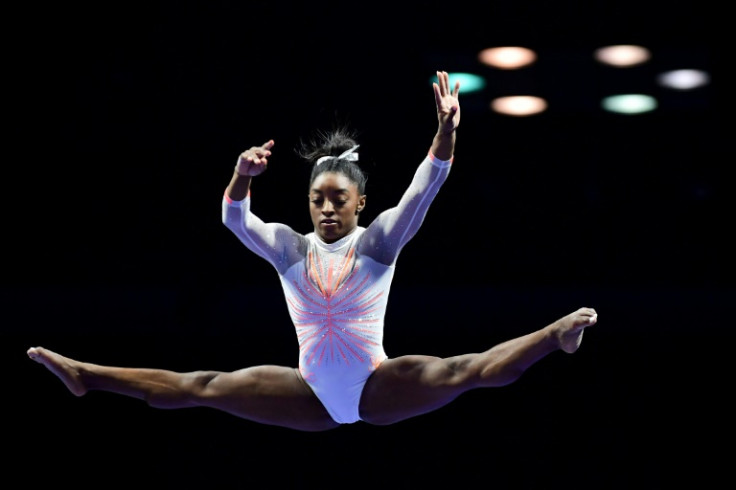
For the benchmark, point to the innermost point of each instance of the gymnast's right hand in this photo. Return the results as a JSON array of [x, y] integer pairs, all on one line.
[[254, 161]]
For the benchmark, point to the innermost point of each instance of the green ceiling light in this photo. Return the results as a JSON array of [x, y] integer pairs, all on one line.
[[629, 103], [468, 82]]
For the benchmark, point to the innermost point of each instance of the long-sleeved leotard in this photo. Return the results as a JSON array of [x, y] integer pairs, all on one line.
[[337, 293]]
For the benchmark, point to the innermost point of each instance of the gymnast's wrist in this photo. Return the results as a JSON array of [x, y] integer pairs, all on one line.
[[241, 170]]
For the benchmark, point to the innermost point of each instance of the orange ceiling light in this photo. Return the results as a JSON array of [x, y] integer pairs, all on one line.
[[507, 57], [519, 105], [622, 55]]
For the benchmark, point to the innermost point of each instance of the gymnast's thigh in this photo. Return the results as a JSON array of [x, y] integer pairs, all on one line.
[[407, 386], [269, 394]]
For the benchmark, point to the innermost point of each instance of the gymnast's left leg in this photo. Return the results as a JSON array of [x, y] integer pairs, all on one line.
[[408, 386]]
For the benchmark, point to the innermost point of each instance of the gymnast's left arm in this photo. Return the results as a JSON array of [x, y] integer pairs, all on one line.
[[394, 227]]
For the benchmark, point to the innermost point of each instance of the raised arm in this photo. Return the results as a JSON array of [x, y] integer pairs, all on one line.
[[275, 242], [393, 228], [251, 162], [448, 116]]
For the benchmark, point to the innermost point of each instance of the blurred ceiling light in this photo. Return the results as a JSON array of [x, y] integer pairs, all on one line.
[[507, 57], [622, 55], [468, 82], [629, 103], [519, 105], [683, 79]]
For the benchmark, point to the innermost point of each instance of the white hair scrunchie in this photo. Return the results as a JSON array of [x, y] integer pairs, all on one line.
[[350, 154]]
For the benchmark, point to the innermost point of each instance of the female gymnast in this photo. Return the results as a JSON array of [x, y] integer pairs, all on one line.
[[336, 281]]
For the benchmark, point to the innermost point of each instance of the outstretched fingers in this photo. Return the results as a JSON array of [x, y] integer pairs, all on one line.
[[444, 81], [448, 104], [441, 87]]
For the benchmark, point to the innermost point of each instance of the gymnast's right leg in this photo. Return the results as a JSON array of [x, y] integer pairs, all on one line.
[[272, 395]]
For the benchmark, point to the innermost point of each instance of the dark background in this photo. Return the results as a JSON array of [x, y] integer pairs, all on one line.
[[125, 123]]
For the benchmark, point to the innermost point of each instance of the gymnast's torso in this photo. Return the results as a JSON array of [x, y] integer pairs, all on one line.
[[337, 293]]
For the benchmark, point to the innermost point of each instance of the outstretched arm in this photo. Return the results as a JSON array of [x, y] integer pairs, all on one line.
[[394, 227], [448, 116]]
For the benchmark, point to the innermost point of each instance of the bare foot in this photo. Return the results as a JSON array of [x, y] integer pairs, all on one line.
[[569, 329], [64, 368]]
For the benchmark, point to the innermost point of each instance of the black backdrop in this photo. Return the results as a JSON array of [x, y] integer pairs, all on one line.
[[126, 123]]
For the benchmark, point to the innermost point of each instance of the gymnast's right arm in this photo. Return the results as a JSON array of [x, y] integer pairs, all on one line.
[[275, 242]]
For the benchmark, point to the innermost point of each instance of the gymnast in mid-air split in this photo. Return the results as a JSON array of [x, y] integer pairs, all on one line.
[[336, 281]]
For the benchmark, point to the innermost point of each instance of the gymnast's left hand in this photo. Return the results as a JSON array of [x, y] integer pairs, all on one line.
[[448, 103]]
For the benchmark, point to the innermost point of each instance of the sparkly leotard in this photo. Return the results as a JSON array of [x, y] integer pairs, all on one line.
[[337, 293]]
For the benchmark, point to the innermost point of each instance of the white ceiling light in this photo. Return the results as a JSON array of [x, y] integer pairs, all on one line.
[[683, 79]]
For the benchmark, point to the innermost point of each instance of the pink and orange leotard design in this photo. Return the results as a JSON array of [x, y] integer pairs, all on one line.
[[337, 293]]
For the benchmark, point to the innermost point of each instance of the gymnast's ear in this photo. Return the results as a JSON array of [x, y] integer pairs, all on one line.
[[361, 204]]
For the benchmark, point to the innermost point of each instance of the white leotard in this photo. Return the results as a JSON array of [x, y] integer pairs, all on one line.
[[337, 293]]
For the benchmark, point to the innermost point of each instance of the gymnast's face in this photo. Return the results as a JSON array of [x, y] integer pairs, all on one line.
[[334, 205]]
